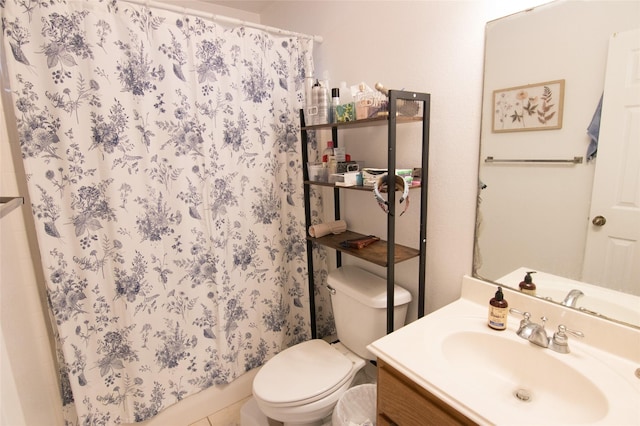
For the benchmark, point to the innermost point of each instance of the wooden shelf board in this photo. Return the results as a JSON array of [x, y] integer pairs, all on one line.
[[357, 188], [365, 122], [374, 253]]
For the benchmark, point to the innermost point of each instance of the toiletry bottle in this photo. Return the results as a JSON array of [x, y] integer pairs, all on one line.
[[320, 99], [335, 102], [527, 286], [498, 311], [327, 154]]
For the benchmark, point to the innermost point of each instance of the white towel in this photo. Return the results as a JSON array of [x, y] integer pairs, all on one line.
[[322, 229]]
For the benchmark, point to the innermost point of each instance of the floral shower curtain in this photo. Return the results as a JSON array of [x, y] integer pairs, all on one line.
[[163, 161]]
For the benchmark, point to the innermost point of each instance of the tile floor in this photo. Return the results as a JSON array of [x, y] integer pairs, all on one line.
[[230, 416]]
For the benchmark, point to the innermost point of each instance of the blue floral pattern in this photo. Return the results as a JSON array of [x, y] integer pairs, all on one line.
[[163, 161]]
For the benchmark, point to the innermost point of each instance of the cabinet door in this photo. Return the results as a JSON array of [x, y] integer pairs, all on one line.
[[402, 402]]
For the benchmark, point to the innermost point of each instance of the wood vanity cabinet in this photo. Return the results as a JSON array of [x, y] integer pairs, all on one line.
[[400, 401]]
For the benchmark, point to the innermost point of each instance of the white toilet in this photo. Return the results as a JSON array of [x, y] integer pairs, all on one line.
[[302, 384]]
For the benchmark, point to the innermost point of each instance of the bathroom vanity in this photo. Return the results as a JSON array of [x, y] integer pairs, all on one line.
[[451, 368], [401, 401]]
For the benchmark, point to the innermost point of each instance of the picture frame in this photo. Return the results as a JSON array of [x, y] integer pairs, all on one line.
[[530, 107]]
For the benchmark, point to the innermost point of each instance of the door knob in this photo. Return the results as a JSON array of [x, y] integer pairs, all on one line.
[[599, 220]]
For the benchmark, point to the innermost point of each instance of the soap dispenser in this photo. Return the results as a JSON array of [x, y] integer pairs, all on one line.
[[498, 311], [527, 286]]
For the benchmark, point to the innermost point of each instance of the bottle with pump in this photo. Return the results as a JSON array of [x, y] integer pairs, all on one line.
[[498, 311], [527, 286]]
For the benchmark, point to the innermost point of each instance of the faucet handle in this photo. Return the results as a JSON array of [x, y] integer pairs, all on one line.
[[564, 329], [524, 330], [544, 320], [560, 341], [526, 316], [523, 322]]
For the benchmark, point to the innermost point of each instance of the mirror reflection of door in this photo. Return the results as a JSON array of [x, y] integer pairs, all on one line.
[[612, 254]]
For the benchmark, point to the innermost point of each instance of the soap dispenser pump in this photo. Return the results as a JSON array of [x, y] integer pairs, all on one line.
[[527, 286], [498, 311]]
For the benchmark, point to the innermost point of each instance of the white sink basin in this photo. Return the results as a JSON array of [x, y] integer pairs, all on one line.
[[526, 377], [496, 377]]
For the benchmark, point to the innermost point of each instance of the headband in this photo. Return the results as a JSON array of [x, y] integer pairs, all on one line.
[[400, 184]]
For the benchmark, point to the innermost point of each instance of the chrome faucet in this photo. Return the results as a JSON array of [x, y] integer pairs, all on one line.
[[539, 334], [536, 333], [572, 298]]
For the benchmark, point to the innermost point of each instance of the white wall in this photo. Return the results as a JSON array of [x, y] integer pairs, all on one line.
[[219, 10], [429, 46]]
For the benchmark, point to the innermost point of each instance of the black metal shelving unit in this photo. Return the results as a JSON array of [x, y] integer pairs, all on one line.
[[384, 253]]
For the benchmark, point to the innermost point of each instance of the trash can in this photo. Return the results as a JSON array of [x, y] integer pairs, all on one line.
[[356, 407]]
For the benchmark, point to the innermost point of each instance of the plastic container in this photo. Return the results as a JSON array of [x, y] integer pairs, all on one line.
[[317, 172], [357, 406], [364, 101], [346, 109]]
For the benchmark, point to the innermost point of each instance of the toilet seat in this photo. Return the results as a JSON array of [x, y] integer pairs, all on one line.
[[302, 374]]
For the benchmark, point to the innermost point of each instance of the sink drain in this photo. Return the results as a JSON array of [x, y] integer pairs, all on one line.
[[523, 395]]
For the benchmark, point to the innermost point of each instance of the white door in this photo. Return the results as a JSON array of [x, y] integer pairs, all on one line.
[[612, 255]]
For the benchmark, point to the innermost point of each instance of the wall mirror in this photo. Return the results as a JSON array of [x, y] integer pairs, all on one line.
[[535, 212]]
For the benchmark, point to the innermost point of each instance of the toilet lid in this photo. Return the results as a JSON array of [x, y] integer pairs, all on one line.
[[306, 371]]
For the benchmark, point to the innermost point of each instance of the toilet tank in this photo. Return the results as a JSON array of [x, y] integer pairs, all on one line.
[[359, 302]]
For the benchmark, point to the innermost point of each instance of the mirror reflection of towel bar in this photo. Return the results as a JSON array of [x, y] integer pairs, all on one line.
[[574, 160]]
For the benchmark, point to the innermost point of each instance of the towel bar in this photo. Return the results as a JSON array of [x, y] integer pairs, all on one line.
[[574, 160]]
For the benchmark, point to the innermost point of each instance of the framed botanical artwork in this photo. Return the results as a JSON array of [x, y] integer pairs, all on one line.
[[531, 107]]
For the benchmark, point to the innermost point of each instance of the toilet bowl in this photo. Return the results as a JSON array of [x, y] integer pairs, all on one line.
[[302, 384]]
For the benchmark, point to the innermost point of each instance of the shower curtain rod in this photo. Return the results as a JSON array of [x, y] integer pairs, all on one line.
[[223, 19]]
